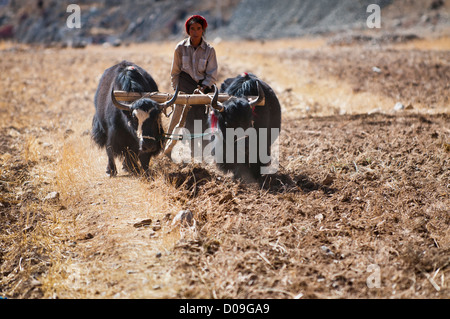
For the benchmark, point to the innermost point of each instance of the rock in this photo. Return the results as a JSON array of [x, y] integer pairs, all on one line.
[[298, 296], [329, 179], [28, 229], [399, 107], [184, 217], [88, 236], [436, 4], [7, 31], [157, 225], [51, 196], [68, 132], [142, 223], [35, 283], [319, 217], [327, 250], [374, 111], [117, 43], [80, 44]]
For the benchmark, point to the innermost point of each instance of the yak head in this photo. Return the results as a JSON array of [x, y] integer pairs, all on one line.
[[144, 120], [236, 112]]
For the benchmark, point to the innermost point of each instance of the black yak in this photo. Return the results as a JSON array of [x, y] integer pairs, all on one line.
[[264, 123], [132, 131]]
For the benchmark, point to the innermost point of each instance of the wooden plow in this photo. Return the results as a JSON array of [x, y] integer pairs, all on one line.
[[180, 108]]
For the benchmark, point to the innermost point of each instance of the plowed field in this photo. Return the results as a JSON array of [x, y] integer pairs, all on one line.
[[359, 207]]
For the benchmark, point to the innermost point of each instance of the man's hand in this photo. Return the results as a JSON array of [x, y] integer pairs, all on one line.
[[202, 88]]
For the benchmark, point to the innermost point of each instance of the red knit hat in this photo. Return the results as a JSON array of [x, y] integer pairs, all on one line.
[[200, 19]]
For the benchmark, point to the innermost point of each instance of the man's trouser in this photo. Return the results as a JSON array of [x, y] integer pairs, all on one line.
[[184, 115]]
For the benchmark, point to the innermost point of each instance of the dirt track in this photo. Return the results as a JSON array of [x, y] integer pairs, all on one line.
[[362, 192]]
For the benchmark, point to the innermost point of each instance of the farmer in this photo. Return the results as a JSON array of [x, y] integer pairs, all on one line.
[[194, 68], [194, 62]]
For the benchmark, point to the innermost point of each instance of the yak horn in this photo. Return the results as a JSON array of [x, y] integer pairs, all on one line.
[[260, 96], [171, 101], [214, 101], [120, 106]]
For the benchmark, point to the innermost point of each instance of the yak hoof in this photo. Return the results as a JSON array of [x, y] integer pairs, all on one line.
[[111, 173]]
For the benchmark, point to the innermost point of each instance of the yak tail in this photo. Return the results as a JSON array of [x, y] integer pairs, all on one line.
[[98, 133]]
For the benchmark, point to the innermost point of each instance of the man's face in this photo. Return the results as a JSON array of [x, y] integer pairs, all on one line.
[[195, 31]]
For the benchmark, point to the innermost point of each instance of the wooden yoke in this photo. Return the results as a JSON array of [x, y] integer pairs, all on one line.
[[189, 99], [180, 108], [177, 121]]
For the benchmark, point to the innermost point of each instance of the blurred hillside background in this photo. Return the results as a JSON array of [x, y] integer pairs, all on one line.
[[118, 22]]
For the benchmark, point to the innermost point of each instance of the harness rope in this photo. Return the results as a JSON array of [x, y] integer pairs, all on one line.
[[180, 137]]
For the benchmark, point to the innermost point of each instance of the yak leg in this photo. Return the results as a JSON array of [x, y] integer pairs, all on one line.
[[130, 162], [111, 169], [145, 160], [197, 114], [178, 120]]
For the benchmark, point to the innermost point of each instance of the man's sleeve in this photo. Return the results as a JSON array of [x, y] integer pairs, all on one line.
[[211, 69], [176, 68]]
